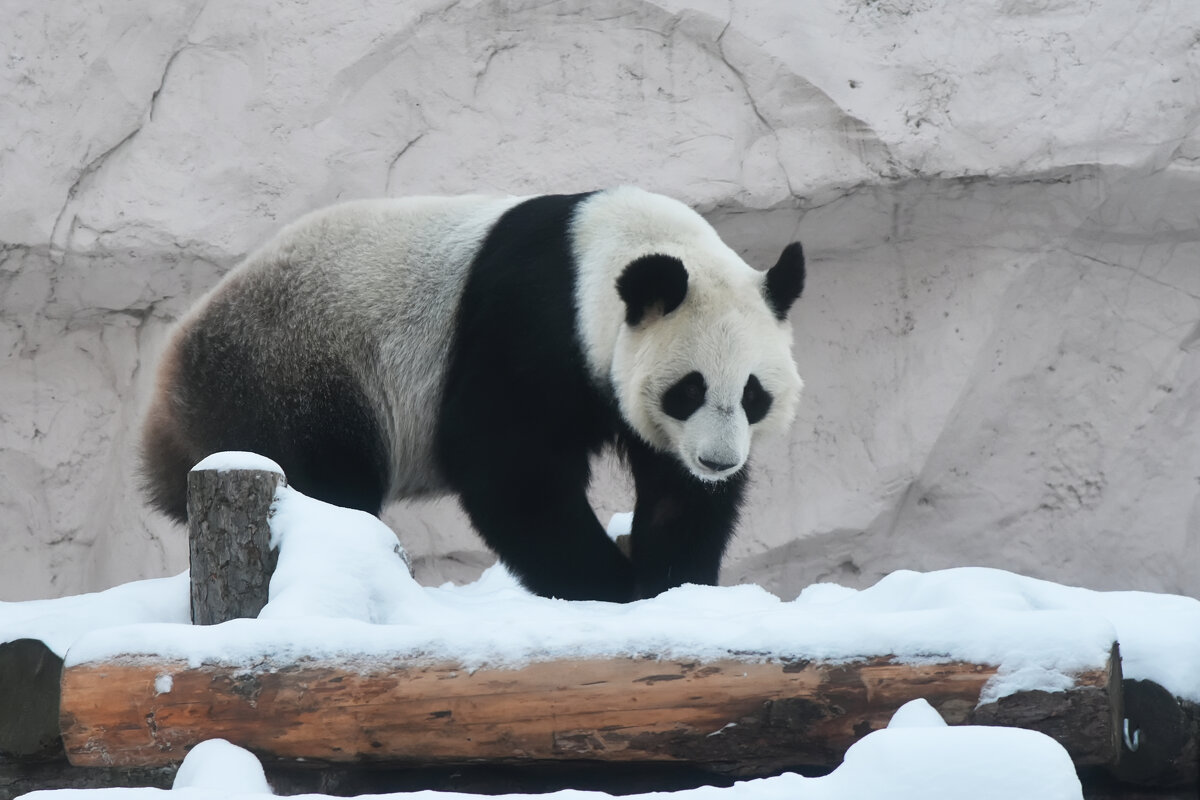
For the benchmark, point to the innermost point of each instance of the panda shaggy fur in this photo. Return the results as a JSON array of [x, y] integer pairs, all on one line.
[[488, 348]]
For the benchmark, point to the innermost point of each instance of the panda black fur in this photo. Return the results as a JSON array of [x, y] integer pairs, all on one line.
[[488, 348]]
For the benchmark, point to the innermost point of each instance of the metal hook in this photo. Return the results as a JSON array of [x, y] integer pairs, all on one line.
[[1132, 743]]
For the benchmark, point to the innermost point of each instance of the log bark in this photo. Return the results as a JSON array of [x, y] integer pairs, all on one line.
[[229, 542], [1088, 717], [750, 717]]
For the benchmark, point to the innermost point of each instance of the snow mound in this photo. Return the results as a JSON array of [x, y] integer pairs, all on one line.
[[917, 714], [221, 768], [365, 576], [237, 459], [63, 620], [929, 760]]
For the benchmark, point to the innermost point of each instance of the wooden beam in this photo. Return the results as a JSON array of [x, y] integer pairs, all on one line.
[[744, 717]]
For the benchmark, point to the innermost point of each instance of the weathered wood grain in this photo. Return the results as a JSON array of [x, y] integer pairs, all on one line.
[[742, 717]]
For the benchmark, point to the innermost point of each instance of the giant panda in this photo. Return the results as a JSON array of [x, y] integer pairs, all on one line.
[[488, 348]]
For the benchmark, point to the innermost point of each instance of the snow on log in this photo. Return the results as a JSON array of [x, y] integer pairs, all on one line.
[[743, 717], [229, 539]]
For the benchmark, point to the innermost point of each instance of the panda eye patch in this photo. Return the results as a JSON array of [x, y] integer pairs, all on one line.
[[756, 401], [685, 397]]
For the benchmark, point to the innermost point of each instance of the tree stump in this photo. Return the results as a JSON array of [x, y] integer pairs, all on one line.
[[229, 540]]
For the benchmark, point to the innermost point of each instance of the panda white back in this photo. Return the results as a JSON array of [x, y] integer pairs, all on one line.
[[366, 287], [403, 281]]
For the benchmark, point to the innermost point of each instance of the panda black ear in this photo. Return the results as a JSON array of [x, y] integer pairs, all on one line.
[[650, 282], [785, 280]]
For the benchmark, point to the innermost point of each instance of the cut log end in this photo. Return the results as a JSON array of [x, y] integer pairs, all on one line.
[[29, 699]]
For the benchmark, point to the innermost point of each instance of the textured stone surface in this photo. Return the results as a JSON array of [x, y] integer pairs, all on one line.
[[1001, 335]]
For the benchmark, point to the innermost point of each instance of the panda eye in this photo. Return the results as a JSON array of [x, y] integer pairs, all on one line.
[[756, 402], [685, 397]]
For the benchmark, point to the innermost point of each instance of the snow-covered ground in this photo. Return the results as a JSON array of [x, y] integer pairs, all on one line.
[[343, 587]]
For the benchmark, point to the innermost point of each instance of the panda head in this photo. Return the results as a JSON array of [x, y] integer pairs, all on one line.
[[703, 361]]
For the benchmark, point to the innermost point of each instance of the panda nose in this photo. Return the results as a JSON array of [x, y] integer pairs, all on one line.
[[716, 466]]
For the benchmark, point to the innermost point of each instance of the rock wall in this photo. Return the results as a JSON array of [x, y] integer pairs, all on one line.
[[1001, 334]]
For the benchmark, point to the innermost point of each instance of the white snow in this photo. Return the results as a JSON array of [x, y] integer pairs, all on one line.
[[915, 758], [621, 524], [494, 622], [1157, 632], [221, 768], [917, 714], [342, 587], [237, 459], [61, 621], [366, 576]]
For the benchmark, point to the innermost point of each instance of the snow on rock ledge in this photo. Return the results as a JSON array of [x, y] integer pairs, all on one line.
[[1000, 334]]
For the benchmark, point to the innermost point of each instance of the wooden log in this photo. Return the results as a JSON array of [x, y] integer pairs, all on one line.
[[229, 541], [1086, 720], [743, 717], [29, 701]]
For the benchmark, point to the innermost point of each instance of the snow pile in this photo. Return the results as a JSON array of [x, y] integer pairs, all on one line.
[[916, 757], [1157, 632], [365, 576], [342, 588], [494, 622], [222, 769], [237, 459], [61, 621]]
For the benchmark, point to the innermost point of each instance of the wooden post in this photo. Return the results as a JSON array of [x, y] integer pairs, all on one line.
[[229, 541], [748, 716]]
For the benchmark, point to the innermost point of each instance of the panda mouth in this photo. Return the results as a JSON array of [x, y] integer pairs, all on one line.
[[716, 466], [714, 470]]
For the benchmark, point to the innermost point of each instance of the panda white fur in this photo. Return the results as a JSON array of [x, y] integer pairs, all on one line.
[[488, 348]]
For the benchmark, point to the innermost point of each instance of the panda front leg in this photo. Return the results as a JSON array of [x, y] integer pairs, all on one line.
[[544, 530], [681, 524]]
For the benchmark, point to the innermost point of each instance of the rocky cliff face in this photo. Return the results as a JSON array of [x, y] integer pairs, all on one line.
[[1001, 334]]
